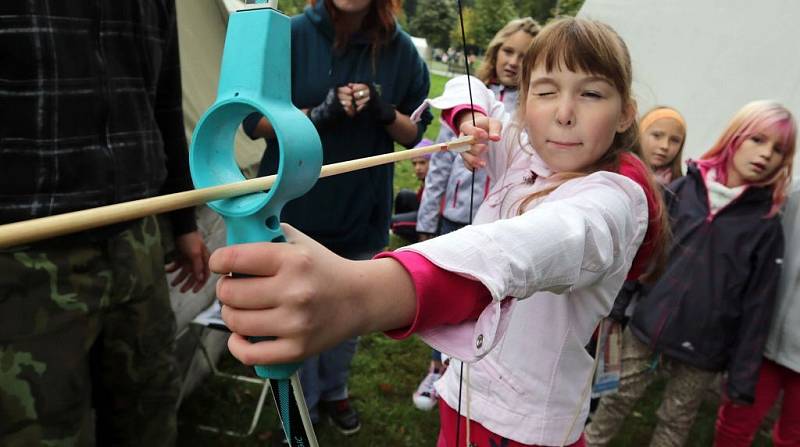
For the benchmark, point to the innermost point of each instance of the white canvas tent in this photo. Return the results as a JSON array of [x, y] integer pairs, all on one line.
[[201, 30], [422, 47], [708, 58]]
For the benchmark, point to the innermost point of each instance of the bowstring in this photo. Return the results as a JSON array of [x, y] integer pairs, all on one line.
[[471, 203]]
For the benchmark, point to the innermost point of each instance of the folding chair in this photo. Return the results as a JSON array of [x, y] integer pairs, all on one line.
[[211, 319]]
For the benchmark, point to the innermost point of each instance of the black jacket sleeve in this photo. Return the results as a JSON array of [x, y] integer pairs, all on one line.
[[756, 308], [623, 300], [416, 94], [169, 116]]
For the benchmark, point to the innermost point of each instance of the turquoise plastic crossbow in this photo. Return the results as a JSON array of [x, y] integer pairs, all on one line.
[[255, 77]]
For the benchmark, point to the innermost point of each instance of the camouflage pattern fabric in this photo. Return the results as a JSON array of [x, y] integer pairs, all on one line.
[[679, 405], [86, 320]]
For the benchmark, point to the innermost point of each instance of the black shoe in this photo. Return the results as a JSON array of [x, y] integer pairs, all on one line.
[[342, 415]]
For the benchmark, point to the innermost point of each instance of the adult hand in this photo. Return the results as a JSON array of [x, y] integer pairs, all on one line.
[[383, 111], [330, 110], [484, 130], [346, 99], [361, 94], [191, 262], [305, 295]]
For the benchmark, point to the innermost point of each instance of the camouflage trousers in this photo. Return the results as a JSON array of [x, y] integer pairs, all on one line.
[[85, 322], [679, 406]]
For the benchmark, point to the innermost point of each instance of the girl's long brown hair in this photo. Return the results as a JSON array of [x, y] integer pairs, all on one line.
[[589, 46]]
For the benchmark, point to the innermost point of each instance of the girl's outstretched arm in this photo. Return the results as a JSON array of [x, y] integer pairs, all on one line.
[[310, 298], [307, 296]]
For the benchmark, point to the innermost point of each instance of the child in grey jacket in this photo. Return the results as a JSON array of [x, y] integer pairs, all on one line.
[[780, 370]]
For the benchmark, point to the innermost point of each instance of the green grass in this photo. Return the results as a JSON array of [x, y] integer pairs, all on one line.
[[384, 375]]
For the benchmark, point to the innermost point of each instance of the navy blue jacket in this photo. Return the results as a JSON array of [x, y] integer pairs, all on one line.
[[712, 306], [350, 213]]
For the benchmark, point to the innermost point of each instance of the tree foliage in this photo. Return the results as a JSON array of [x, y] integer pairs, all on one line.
[[568, 7], [490, 16], [410, 7], [469, 28], [540, 10], [433, 20], [292, 7]]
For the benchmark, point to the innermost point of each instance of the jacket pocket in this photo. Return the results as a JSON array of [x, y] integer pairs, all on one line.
[[504, 387]]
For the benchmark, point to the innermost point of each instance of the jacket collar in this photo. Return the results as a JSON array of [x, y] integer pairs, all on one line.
[[752, 195]]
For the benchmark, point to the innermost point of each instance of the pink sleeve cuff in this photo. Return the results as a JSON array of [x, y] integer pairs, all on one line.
[[443, 297], [448, 115]]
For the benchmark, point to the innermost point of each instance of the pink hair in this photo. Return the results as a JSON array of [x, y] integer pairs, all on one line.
[[753, 118]]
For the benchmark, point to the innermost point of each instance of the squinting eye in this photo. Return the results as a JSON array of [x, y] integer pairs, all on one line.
[[592, 94], [543, 93], [757, 139]]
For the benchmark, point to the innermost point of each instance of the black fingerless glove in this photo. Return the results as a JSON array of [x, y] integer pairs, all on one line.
[[383, 111], [328, 112]]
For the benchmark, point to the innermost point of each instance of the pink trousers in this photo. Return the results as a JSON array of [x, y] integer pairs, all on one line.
[[737, 424], [480, 436]]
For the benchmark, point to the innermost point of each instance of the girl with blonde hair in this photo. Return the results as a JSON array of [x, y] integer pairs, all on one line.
[[662, 134]]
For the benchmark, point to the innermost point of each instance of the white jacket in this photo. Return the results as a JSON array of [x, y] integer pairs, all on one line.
[[783, 344], [564, 258]]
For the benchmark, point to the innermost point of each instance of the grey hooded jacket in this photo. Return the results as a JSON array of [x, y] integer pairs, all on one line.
[[783, 344], [448, 181]]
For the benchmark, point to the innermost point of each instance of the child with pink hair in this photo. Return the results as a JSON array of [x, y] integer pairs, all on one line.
[[710, 310]]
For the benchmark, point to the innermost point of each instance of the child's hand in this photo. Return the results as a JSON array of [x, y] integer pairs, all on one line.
[[307, 296], [485, 130], [293, 291]]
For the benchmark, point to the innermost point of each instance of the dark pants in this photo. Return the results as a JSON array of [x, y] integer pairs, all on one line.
[[404, 221]]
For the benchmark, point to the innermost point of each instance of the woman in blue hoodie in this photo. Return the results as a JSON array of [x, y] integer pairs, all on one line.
[[358, 77]]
